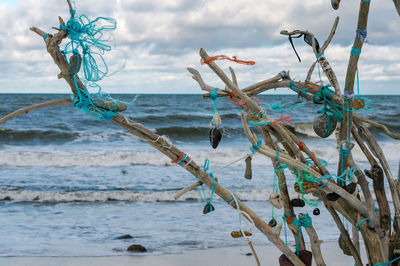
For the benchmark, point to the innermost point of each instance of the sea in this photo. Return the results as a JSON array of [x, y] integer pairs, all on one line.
[[71, 185]]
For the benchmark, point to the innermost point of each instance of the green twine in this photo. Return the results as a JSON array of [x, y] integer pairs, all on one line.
[[304, 220], [214, 97], [387, 263]]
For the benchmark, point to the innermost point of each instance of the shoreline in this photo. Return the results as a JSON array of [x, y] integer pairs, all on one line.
[[232, 256]]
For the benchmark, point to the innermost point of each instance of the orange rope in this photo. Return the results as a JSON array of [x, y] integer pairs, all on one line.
[[222, 57], [282, 121], [179, 158], [316, 85], [301, 145]]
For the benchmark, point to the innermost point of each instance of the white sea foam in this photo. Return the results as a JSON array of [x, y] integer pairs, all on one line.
[[131, 196], [108, 158]]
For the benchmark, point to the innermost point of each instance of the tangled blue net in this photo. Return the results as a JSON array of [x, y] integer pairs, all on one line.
[[88, 43]]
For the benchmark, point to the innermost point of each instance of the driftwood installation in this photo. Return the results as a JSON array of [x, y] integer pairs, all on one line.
[[338, 192]]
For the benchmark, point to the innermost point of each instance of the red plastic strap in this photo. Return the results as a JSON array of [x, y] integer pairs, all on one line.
[[242, 102], [222, 57], [179, 158], [314, 158], [282, 121], [301, 145]]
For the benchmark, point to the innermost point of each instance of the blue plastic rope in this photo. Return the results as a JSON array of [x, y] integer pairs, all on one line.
[[387, 263], [256, 147], [355, 51], [214, 98], [366, 1], [295, 88], [362, 34], [89, 41], [45, 36], [183, 159]]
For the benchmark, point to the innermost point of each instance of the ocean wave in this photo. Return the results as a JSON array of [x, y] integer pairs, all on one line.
[[127, 196], [221, 156], [10, 135]]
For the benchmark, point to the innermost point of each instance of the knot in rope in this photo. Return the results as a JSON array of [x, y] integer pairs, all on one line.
[[303, 220], [284, 74], [214, 94], [256, 147], [319, 55]]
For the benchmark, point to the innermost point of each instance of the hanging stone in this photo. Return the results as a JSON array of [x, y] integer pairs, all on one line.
[[237, 234], [208, 208], [248, 173], [297, 203], [358, 103], [275, 200], [316, 211], [272, 222], [75, 62], [324, 125], [215, 137]]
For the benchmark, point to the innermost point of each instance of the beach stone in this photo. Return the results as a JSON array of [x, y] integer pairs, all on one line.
[[324, 125], [136, 248], [127, 236], [304, 255], [249, 254]]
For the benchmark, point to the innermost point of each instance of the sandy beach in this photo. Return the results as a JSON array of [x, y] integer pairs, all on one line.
[[232, 256]]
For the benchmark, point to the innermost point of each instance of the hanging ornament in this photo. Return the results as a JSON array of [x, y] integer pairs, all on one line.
[[357, 103], [297, 203], [324, 125], [248, 173], [208, 208], [276, 200], [272, 222], [306, 186], [75, 62], [316, 211]]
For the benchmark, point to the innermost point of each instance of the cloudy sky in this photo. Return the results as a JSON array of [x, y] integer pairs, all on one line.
[[156, 40]]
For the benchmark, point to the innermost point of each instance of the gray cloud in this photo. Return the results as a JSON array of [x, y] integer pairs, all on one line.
[[158, 39]]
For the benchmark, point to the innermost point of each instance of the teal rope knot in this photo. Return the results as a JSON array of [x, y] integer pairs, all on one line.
[[319, 55], [256, 147], [360, 223], [205, 169], [214, 94], [355, 51], [45, 36], [343, 152], [303, 220]]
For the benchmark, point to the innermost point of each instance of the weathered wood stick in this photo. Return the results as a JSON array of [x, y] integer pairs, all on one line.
[[187, 189], [378, 125], [315, 246], [27, 109], [172, 152], [397, 5], [377, 151], [342, 230], [286, 159]]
